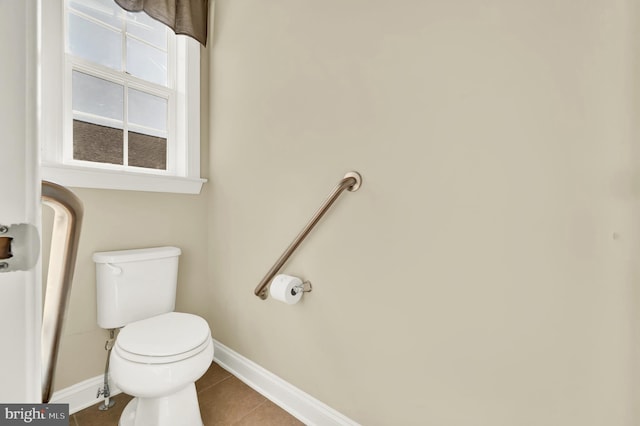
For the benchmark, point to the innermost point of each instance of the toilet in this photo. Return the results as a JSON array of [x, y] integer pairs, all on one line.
[[158, 354]]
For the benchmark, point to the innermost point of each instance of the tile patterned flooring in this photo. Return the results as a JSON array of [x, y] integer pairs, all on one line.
[[224, 400]]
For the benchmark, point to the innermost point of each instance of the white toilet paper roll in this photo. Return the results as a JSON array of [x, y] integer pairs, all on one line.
[[282, 289]]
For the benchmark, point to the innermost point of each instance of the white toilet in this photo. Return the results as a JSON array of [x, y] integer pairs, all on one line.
[[159, 354]]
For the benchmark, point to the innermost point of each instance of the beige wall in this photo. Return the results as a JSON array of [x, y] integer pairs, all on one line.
[[484, 274]]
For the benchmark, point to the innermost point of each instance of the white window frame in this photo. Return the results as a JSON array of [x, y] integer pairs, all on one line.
[[183, 166]]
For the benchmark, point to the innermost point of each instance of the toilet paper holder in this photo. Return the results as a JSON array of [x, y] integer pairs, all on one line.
[[305, 287]]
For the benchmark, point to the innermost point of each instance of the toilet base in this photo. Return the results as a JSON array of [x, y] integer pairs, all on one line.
[[180, 408]]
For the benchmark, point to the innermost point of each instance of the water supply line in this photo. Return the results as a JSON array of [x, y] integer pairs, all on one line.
[[108, 402]]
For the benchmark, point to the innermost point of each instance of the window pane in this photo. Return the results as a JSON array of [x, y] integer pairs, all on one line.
[[142, 26], [147, 110], [92, 142], [96, 96], [106, 11], [146, 62], [95, 42], [147, 151]]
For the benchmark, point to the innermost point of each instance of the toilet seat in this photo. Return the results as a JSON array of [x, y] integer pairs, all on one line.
[[162, 339]]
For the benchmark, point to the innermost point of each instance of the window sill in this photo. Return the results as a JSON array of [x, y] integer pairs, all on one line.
[[84, 177]]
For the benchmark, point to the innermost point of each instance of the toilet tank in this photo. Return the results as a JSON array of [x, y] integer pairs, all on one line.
[[135, 284]]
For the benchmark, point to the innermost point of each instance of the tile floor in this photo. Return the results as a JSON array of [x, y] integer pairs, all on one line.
[[224, 400]]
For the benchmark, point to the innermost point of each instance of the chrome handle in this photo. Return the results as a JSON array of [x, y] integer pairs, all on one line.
[[64, 247]]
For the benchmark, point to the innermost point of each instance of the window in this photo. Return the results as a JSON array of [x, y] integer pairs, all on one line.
[[120, 99]]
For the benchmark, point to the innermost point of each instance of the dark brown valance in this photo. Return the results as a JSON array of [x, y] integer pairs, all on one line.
[[187, 17]]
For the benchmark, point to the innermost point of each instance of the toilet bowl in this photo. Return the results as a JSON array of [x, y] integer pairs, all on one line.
[[158, 354], [158, 360]]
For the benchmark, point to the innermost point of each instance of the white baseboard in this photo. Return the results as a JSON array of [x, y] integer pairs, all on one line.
[[299, 404], [83, 394]]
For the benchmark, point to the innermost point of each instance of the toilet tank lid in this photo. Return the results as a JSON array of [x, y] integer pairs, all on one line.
[[121, 256]]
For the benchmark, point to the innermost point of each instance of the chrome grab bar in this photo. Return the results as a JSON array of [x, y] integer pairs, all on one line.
[[67, 221], [350, 181]]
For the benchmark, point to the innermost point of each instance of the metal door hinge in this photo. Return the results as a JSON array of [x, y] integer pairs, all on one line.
[[19, 247]]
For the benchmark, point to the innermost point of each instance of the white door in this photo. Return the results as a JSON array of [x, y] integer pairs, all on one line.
[[20, 290]]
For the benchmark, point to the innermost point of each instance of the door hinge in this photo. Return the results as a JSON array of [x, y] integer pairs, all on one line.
[[19, 247]]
